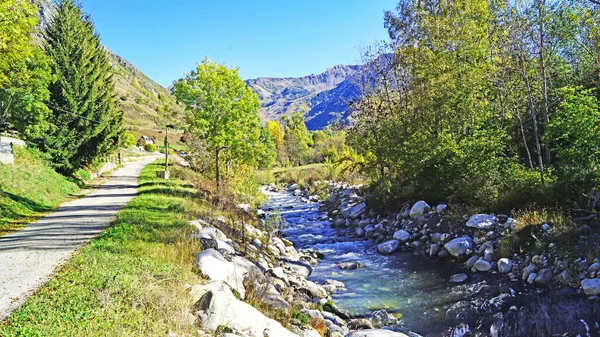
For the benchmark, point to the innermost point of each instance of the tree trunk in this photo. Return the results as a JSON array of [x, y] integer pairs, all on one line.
[[536, 132], [545, 117], [217, 173], [525, 141]]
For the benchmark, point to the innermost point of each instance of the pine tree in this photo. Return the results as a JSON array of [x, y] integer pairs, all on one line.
[[85, 122]]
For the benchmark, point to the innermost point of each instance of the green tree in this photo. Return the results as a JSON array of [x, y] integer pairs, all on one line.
[[84, 123], [221, 110], [24, 71], [297, 139]]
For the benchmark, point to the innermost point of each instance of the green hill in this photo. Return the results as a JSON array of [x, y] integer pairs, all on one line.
[[29, 189]]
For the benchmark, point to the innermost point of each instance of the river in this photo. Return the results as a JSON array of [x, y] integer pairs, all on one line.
[[414, 286]]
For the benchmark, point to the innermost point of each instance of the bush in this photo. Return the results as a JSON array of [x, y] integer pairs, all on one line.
[[150, 147], [83, 174]]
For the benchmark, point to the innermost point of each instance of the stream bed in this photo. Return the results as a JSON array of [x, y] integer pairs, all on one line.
[[415, 287]]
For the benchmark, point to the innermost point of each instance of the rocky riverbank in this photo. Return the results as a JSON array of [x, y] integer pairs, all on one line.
[[260, 276], [509, 294]]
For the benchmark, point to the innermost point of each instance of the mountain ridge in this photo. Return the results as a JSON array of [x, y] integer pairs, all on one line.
[[323, 97]]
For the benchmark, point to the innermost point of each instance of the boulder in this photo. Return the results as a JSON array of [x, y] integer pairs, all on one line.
[[360, 232], [505, 265], [357, 210], [441, 208], [482, 221], [360, 323], [218, 307], [418, 209], [459, 246], [381, 318], [350, 265], [401, 235], [483, 265], [314, 289], [376, 333], [529, 270], [214, 266], [299, 267], [388, 247], [591, 286], [544, 277], [458, 278], [471, 262], [434, 249], [595, 267]]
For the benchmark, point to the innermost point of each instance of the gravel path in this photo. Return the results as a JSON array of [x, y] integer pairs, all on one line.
[[29, 257]]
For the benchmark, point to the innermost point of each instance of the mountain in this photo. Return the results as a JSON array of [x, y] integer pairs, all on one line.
[[147, 106], [324, 97]]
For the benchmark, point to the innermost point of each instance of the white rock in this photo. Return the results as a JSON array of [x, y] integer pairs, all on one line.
[[545, 227], [388, 247], [214, 266], [458, 278], [218, 307], [595, 267], [441, 208], [375, 333], [482, 221], [591, 286], [357, 210], [314, 289], [459, 246], [483, 265], [505, 265], [401, 235], [418, 209], [301, 268]]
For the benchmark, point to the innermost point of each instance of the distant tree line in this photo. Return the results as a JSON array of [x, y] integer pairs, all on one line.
[[60, 96], [492, 103]]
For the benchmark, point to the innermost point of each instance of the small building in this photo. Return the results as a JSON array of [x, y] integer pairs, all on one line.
[[146, 140]]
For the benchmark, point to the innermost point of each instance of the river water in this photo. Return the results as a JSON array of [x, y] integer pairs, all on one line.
[[414, 286]]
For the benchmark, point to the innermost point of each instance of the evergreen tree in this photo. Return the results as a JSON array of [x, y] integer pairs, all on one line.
[[84, 123]]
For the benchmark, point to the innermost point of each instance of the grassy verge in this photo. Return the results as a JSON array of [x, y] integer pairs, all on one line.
[[29, 189], [130, 281]]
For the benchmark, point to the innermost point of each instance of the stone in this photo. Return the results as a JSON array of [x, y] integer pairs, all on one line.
[[436, 237], [360, 323], [218, 306], [591, 286], [544, 277], [299, 267], [441, 208], [401, 235], [350, 265], [528, 270], [545, 227], [214, 266], [376, 333], [388, 247], [531, 278], [293, 187], [458, 278], [314, 289], [482, 221], [505, 265], [381, 318], [595, 267], [357, 210], [360, 232], [335, 283], [443, 253], [471, 262], [418, 209], [434, 249], [483, 265], [459, 246]]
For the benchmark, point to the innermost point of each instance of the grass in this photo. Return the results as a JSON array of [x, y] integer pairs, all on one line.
[[29, 189], [131, 280]]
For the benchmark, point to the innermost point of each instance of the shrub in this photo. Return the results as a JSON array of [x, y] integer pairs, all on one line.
[[83, 174], [150, 147]]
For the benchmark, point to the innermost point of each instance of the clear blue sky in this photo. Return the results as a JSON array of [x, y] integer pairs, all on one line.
[[269, 38]]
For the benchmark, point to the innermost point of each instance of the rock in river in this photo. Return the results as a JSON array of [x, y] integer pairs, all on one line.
[[483, 265], [591, 286], [350, 265], [402, 236], [458, 278], [388, 247], [505, 265], [459, 246], [376, 333]]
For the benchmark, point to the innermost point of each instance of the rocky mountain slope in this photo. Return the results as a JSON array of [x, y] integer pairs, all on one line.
[[324, 97], [147, 106]]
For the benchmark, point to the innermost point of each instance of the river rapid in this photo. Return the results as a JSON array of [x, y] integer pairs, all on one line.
[[409, 286]]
